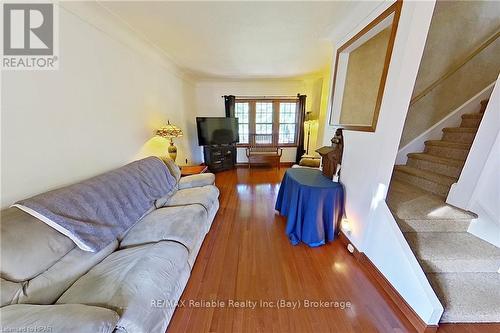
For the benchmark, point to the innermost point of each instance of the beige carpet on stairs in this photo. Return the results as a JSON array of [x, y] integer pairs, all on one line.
[[462, 269]]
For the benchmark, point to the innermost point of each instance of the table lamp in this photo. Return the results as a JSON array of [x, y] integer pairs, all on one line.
[[170, 131], [309, 121]]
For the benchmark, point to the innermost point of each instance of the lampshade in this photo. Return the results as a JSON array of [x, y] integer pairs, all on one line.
[[310, 116], [169, 131]]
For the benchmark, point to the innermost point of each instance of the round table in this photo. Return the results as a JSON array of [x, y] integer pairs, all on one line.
[[313, 205]]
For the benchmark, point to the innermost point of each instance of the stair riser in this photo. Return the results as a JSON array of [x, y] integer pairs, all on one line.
[[472, 318], [461, 137], [429, 225], [447, 152], [422, 183], [459, 265], [442, 169], [461, 295], [470, 122]]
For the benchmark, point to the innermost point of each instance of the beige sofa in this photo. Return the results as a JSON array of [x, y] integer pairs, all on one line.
[[132, 285]]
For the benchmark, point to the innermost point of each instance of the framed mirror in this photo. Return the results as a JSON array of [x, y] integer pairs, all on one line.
[[361, 67]]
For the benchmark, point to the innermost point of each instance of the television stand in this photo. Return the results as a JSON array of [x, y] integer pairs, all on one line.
[[220, 157]]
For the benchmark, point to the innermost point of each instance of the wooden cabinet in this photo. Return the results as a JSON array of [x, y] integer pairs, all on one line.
[[220, 157]]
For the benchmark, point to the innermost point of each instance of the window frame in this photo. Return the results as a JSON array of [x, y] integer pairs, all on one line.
[[248, 123], [276, 117]]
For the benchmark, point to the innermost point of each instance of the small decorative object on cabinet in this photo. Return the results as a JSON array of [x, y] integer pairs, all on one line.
[[331, 156], [170, 131], [220, 157]]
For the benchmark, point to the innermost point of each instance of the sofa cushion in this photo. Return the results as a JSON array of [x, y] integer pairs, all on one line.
[[205, 196], [73, 318], [9, 291], [174, 171], [140, 283], [172, 167], [183, 224], [48, 286], [160, 202], [28, 246], [202, 179]]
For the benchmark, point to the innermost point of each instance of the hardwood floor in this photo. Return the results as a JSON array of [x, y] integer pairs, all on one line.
[[247, 257]]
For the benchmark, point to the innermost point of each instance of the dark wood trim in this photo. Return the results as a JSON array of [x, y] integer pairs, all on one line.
[[251, 120], [396, 9], [266, 99], [276, 120], [390, 291], [287, 145], [397, 13]]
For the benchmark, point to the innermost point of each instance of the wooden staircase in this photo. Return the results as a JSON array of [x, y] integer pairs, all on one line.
[[439, 166]]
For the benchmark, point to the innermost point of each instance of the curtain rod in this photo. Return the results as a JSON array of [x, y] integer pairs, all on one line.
[[264, 97]]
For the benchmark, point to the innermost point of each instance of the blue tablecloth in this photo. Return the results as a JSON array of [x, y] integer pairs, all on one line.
[[313, 205]]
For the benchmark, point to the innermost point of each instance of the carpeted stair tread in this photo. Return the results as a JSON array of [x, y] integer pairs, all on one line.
[[433, 225], [453, 252], [460, 129], [409, 202], [449, 149], [436, 159], [472, 120], [472, 116], [468, 297], [428, 175], [449, 144], [437, 164], [462, 269]]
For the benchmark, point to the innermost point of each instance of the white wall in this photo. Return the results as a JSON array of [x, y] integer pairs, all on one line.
[[209, 101], [435, 132], [369, 158], [485, 199], [477, 189], [97, 112]]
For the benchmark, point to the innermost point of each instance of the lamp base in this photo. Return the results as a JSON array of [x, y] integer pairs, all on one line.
[[172, 151]]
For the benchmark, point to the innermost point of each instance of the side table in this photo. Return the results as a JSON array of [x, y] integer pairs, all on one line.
[[193, 169]]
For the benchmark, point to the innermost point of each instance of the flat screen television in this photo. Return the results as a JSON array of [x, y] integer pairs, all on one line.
[[217, 130]]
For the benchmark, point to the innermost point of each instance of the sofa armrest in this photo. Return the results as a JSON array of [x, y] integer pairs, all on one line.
[[76, 318], [202, 179]]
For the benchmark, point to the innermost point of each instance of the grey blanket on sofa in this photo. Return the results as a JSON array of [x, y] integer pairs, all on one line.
[[94, 212]]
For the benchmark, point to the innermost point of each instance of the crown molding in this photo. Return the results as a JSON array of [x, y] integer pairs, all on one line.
[[100, 18]]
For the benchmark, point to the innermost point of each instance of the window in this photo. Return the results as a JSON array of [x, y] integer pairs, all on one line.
[[277, 117], [241, 111], [288, 121], [263, 121]]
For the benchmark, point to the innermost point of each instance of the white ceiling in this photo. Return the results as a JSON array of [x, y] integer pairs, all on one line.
[[238, 39]]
